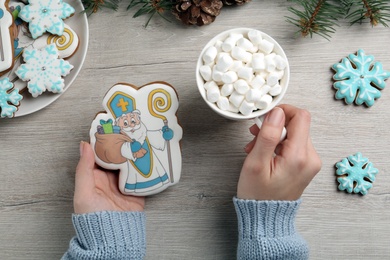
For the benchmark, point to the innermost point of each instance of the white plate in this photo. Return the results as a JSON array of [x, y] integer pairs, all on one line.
[[78, 22]]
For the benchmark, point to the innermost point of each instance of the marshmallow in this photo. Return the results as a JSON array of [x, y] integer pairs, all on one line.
[[224, 63], [264, 102], [280, 73], [241, 86], [281, 63], [258, 62], [227, 90], [245, 44], [213, 94], [245, 73], [220, 55], [217, 75], [218, 45], [236, 65], [223, 103], [275, 90], [230, 42], [257, 82], [240, 54], [210, 54], [255, 36], [233, 109], [205, 72], [236, 99], [246, 108], [210, 84], [266, 46], [272, 79], [229, 77], [265, 89], [270, 64], [254, 49], [253, 95]]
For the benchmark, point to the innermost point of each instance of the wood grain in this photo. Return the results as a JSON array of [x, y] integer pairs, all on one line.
[[196, 219]]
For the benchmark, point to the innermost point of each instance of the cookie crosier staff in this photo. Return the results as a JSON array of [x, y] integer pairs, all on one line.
[[142, 159], [274, 175]]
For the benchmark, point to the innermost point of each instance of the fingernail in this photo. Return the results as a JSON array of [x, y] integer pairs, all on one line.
[[81, 148], [275, 117]]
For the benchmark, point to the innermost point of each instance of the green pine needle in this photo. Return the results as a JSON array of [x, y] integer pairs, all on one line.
[[321, 16], [92, 6], [151, 7], [318, 17], [376, 11]]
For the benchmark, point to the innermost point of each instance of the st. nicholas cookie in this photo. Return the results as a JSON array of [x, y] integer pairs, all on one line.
[[139, 135], [6, 38], [46, 16]]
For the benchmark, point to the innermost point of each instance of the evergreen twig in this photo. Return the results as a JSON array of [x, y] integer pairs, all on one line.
[[319, 17], [151, 7], [377, 11], [92, 6]]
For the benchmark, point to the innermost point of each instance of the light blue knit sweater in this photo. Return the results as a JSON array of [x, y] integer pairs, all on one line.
[[266, 231]]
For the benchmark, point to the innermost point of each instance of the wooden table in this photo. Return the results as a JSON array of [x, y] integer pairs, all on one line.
[[195, 219]]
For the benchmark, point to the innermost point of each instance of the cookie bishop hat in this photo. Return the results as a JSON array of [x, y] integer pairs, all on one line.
[[120, 103]]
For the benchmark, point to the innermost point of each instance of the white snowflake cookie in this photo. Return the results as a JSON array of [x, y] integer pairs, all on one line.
[[43, 70], [46, 16], [9, 98]]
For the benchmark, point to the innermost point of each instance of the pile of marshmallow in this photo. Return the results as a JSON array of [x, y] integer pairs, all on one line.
[[242, 73]]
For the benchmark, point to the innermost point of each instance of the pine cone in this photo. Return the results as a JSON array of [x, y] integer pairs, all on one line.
[[235, 2], [197, 12]]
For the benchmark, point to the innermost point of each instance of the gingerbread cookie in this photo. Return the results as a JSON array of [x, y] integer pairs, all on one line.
[[139, 134], [43, 70], [9, 98], [6, 41], [358, 78], [46, 16], [355, 174]]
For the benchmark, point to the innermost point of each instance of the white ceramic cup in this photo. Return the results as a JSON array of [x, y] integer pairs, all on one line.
[[258, 114]]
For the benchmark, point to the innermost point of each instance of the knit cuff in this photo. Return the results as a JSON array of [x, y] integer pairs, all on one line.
[[269, 219], [111, 231]]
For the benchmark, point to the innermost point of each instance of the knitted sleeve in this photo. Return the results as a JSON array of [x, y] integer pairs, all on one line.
[[267, 230], [108, 235]]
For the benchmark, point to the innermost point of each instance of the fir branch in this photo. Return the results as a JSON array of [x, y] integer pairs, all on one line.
[[92, 6], [377, 11], [151, 7], [318, 17]]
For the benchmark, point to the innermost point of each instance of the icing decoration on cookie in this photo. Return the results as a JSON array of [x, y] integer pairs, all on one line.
[[139, 134], [43, 70], [356, 173], [6, 44], [46, 16], [360, 79], [66, 44], [9, 98]]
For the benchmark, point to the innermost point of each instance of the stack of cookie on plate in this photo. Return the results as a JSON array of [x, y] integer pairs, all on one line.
[[35, 42]]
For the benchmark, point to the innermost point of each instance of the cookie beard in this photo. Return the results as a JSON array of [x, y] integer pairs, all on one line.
[[138, 134]]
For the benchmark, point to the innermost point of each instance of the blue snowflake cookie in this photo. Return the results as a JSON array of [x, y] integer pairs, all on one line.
[[9, 98], [356, 174], [360, 79], [43, 70], [46, 16]]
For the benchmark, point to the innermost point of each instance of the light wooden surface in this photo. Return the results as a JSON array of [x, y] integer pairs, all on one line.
[[196, 219]]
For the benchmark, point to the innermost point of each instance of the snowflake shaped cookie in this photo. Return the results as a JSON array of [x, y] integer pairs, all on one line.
[[360, 79], [46, 16], [9, 98], [356, 173], [43, 70]]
